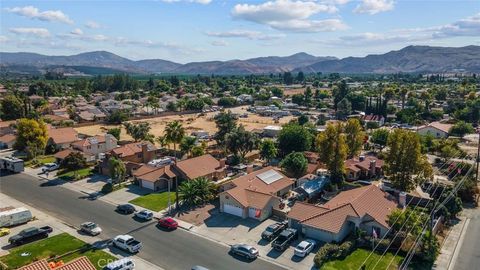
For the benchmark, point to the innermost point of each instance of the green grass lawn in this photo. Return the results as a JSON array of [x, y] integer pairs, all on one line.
[[53, 246], [40, 161], [154, 201], [355, 260], [76, 175]]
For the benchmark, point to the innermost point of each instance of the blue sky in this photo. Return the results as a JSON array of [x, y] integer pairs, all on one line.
[[200, 30]]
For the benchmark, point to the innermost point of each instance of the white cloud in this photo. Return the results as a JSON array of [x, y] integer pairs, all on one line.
[[464, 27], [253, 35], [289, 15], [77, 32], [37, 32], [219, 43], [4, 39], [34, 13], [92, 25], [374, 6], [203, 2]]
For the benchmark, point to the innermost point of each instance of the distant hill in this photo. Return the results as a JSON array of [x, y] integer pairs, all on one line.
[[408, 59]]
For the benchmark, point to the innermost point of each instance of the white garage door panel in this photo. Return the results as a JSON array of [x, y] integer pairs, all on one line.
[[233, 210], [147, 184], [252, 212]]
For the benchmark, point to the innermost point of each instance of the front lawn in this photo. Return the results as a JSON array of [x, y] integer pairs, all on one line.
[[54, 246], [355, 260], [41, 160], [155, 201], [77, 174]]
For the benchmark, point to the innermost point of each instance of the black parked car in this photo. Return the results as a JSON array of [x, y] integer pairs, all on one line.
[[125, 209], [273, 230], [30, 235]]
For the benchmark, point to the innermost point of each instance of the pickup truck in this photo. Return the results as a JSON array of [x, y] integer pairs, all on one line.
[[273, 230], [127, 243], [29, 235], [284, 239]]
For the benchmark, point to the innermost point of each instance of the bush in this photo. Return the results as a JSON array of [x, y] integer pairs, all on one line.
[[333, 252], [107, 188]]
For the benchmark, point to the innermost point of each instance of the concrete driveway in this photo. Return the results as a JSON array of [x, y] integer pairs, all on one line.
[[229, 229]]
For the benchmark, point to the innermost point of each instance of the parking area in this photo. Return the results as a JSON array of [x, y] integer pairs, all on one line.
[[231, 230]]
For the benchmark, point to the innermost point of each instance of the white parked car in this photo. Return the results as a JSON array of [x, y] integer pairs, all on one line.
[[122, 264], [304, 247], [90, 228], [48, 167], [144, 214]]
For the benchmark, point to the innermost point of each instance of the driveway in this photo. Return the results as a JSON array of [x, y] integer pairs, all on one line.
[[229, 229]]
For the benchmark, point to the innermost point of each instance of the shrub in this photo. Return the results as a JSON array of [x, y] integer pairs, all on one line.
[[107, 188], [333, 252]]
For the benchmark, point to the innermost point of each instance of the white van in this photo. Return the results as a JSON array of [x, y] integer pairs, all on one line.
[[15, 216], [122, 264]]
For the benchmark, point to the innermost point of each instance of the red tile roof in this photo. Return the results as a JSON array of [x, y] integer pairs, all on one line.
[[132, 149], [38, 265], [152, 174], [199, 166], [356, 165], [437, 125], [63, 135], [81, 263], [8, 138]]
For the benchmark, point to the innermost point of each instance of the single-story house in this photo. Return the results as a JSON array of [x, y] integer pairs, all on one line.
[[202, 166], [363, 167], [7, 141], [373, 118], [256, 194], [81, 263], [436, 129], [154, 178], [6, 127], [62, 154], [61, 138], [366, 208]]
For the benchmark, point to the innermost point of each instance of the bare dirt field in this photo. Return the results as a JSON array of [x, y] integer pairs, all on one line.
[[191, 122]]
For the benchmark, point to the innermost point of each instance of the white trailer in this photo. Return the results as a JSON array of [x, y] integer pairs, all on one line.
[[11, 164], [15, 216]]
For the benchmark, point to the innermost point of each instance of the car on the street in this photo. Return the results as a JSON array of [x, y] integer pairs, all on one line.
[[304, 248], [244, 250], [144, 214], [4, 231], [273, 230], [128, 243], [49, 167], [126, 208], [90, 228], [168, 223], [198, 267], [29, 235], [122, 264]]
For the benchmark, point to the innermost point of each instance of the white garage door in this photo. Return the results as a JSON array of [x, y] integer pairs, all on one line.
[[252, 212], [148, 184], [233, 210]]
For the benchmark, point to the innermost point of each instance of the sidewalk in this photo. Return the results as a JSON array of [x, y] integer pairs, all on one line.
[[59, 227]]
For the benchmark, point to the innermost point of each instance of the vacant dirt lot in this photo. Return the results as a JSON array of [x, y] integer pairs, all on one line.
[[191, 122]]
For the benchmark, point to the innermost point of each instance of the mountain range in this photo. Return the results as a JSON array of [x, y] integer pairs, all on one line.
[[408, 59]]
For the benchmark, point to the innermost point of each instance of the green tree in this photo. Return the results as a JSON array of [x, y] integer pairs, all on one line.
[[226, 122], [174, 133], [332, 148], [340, 91], [197, 191], [115, 132], [461, 128], [31, 134], [74, 161], [380, 136], [117, 168], [294, 138], [139, 132], [344, 108], [240, 142], [187, 144], [404, 160], [117, 117], [302, 119], [197, 151], [354, 137], [268, 150], [11, 108], [295, 164]]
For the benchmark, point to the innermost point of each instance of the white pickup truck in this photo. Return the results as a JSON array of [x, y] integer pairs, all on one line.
[[127, 243]]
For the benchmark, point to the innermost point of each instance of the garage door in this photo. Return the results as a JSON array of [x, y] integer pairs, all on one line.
[[148, 184], [233, 210], [254, 212]]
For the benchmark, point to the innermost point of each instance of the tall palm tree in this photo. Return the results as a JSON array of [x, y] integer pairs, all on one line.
[[174, 133]]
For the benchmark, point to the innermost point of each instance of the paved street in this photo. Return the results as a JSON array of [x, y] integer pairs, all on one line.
[[170, 250], [469, 254]]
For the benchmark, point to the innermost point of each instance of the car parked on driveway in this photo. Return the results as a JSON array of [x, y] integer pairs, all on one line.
[[49, 167], [144, 214], [273, 230], [168, 223], [90, 228], [305, 247], [284, 239], [126, 209], [244, 250]]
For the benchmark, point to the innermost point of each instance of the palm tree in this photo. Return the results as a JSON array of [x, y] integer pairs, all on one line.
[[187, 144], [197, 191], [188, 192], [174, 133]]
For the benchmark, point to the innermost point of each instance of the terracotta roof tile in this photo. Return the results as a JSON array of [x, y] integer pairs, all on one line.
[[198, 166], [8, 138], [82, 263], [132, 149], [38, 265], [63, 135], [152, 174]]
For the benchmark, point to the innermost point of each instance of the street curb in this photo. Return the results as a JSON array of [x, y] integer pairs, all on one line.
[[453, 259]]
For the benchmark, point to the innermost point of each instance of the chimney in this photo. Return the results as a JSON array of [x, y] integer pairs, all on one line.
[[373, 164], [249, 168], [222, 162], [402, 199], [145, 157]]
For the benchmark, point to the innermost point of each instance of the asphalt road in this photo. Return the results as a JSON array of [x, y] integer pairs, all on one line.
[[469, 254], [178, 249]]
